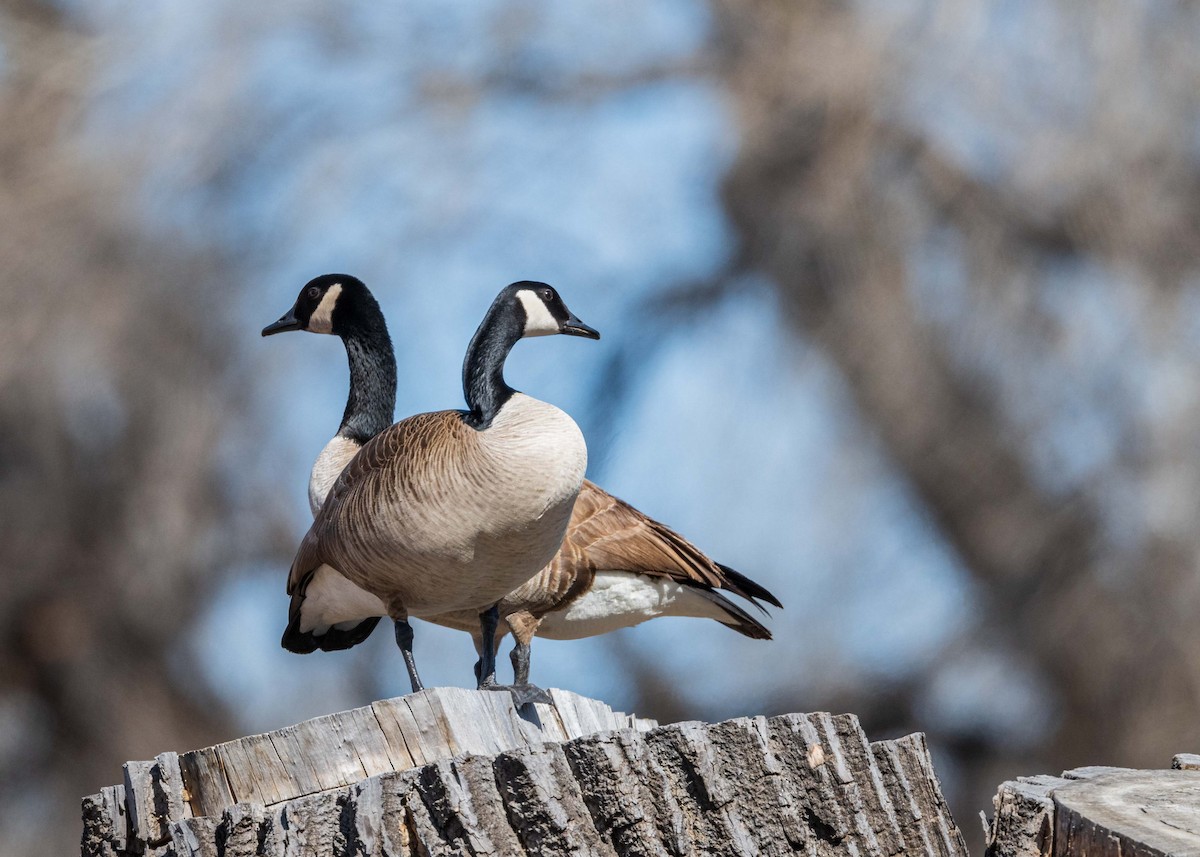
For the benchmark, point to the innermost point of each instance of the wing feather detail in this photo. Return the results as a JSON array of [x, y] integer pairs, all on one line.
[[405, 458], [606, 533]]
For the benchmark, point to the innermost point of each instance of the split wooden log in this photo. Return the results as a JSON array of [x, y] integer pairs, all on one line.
[[1099, 812], [1186, 762], [451, 771]]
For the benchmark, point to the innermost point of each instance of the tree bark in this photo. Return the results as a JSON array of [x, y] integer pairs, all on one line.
[[1098, 812], [451, 771]]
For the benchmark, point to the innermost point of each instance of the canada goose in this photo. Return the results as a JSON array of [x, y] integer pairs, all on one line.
[[617, 567], [449, 510]]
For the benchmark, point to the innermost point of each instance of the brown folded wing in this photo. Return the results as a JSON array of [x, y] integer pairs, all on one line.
[[607, 534]]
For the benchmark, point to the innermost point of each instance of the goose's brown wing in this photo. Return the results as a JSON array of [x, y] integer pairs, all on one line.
[[606, 533]]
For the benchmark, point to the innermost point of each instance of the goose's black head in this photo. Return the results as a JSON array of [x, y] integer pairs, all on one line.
[[331, 303], [342, 305], [520, 310], [539, 311]]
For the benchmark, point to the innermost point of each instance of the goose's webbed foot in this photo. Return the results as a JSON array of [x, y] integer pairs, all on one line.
[[522, 694]]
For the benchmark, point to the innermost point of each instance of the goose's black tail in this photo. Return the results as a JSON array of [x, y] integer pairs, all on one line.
[[735, 617], [739, 584], [333, 640]]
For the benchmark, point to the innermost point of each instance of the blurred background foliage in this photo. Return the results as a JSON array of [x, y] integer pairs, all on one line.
[[901, 311]]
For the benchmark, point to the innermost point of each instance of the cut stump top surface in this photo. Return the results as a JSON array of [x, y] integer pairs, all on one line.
[[1151, 812], [1099, 812]]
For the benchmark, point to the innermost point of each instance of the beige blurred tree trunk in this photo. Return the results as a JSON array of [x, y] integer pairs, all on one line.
[[115, 400]]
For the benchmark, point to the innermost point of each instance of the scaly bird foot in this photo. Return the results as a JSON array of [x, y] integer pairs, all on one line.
[[522, 694]]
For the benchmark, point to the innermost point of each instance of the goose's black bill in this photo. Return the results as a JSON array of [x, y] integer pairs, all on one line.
[[288, 322], [574, 327]]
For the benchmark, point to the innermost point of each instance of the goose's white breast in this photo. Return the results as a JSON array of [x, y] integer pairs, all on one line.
[[538, 448], [326, 469], [513, 518]]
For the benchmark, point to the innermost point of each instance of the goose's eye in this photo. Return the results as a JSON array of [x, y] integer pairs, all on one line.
[[314, 292], [547, 294]]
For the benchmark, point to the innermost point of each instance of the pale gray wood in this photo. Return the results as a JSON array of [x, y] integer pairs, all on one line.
[[909, 779], [395, 721], [1022, 824], [139, 802], [1129, 814], [1186, 762], [464, 719], [153, 798], [206, 786], [1090, 771], [321, 753], [343, 749], [168, 782], [466, 773], [254, 771], [106, 826], [1098, 811], [194, 837]]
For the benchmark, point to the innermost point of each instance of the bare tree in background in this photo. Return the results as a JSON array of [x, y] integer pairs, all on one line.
[[116, 399], [1091, 582]]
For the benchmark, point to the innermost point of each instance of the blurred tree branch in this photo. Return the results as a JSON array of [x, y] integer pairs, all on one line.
[[581, 88], [829, 199]]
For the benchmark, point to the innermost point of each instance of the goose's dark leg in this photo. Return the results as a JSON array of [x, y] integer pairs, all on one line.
[[478, 651], [524, 625], [485, 670], [523, 693], [404, 639], [520, 661]]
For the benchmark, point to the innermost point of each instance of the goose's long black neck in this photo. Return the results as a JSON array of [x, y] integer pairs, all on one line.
[[483, 369], [372, 399]]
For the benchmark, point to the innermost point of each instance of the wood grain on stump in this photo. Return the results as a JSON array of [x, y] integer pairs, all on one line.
[[450, 771], [1099, 812]]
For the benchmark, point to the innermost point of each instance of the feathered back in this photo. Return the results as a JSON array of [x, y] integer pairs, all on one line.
[[607, 534]]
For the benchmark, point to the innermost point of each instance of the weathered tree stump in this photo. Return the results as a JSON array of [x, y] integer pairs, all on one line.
[[1100, 812], [451, 771]]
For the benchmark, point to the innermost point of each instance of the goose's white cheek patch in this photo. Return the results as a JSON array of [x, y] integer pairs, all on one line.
[[538, 320], [322, 317]]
